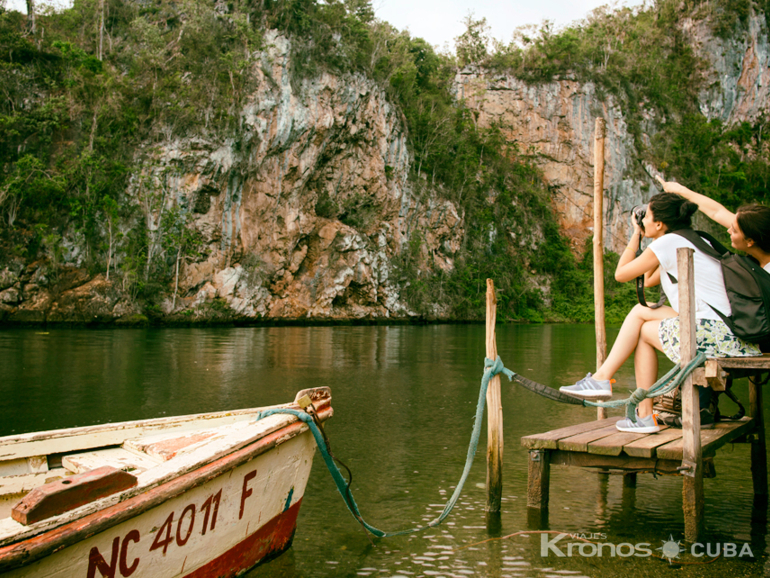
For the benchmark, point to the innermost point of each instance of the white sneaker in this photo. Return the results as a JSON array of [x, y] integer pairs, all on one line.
[[589, 388], [644, 425]]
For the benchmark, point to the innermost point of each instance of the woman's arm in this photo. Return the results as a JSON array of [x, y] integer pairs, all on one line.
[[644, 263], [630, 267], [652, 278], [709, 207]]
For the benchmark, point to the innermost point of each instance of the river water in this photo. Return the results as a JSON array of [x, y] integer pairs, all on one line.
[[404, 399]]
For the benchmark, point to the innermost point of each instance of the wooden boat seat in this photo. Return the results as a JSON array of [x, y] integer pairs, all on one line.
[[163, 447], [64, 495], [118, 458]]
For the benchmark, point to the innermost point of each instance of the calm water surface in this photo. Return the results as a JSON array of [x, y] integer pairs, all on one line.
[[404, 399]]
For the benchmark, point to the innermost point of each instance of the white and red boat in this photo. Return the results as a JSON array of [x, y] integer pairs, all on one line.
[[198, 496]]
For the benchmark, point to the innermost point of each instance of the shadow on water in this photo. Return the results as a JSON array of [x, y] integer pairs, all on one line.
[[404, 399]]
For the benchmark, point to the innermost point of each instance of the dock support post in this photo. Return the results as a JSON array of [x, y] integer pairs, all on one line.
[[494, 413], [692, 456], [538, 479], [758, 444], [601, 333], [629, 480]]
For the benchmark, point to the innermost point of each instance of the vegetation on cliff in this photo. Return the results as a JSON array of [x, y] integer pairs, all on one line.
[[93, 83], [643, 58]]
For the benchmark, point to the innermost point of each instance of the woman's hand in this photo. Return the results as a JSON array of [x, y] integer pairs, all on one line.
[[674, 187]]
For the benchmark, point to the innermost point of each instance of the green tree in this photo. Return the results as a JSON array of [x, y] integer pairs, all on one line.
[[472, 45], [182, 240]]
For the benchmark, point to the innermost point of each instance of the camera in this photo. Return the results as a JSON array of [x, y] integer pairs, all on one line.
[[639, 212]]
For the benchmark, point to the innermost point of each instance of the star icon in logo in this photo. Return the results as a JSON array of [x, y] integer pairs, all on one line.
[[670, 549]]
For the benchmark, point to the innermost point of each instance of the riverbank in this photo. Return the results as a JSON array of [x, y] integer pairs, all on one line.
[[43, 294]]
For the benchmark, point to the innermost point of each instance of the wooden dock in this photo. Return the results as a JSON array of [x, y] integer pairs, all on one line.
[[598, 443], [687, 451]]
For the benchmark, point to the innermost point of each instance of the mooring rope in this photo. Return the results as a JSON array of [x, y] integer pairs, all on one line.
[[491, 368], [665, 384]]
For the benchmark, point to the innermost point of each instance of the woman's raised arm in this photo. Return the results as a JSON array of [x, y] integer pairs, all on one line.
[[709, 207]]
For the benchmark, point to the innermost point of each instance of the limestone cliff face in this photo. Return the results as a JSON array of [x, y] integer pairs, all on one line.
[[555, 123], [299, 213], [739, 73], [303, 211]]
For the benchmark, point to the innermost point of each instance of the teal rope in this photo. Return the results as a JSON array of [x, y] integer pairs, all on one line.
[[664, 385], [492, 368]]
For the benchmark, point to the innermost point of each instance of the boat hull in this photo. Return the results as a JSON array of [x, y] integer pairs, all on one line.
[[216, 521]]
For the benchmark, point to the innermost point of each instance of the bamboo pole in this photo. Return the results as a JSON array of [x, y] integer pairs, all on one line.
[[692, 458], [601, 333], [494, 413]]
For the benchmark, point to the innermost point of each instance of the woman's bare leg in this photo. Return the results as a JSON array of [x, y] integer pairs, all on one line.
[[629, 336], [646, 361]]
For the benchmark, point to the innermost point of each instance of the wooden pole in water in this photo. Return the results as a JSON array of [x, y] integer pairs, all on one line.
[[494, 413], [601, 333], [692, 458]]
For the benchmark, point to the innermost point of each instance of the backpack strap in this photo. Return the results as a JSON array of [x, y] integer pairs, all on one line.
[[640, 285], [714, 250]]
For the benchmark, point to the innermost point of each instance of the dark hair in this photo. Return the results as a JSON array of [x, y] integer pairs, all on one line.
[[673, 210], [754, 221]]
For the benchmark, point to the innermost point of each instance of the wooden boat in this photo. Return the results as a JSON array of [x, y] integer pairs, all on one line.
[[201, 495]]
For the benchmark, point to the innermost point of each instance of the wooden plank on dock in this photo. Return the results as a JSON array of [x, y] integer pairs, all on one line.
[[550, 439], [577, 459], [613, 445], [645, 447], [711, 439], [759, 363], [579, 442]]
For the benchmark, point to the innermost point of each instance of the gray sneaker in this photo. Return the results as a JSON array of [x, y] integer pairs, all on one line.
[[642, 425], [589, 388]]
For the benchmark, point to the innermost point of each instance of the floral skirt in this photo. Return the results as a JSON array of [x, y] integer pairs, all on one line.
[[713, 337]]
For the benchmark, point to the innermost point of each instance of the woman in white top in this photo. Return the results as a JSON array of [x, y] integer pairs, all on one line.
[[646, 330]]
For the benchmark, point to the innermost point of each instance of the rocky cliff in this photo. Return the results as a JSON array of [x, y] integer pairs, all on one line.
[[298, 215], [738, 71], [554, 123], [304, 203]]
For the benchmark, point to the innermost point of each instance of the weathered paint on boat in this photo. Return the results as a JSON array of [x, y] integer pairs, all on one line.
[[218, 519]]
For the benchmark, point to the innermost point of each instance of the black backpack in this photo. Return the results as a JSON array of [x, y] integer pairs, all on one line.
[[747, 285]]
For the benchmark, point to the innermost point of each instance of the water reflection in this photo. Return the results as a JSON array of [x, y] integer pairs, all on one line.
[[404, 400]]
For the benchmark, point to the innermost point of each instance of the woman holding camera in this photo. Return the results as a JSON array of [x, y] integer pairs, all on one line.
[[646, 330]]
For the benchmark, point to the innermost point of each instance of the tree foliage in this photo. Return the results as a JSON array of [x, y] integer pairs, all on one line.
[[93, 83]]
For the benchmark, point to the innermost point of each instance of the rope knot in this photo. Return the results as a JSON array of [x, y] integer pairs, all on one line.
[[638, 396], [496, 367]]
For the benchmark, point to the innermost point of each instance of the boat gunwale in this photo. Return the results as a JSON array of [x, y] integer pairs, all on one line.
[[151, 424], [50, 540]]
